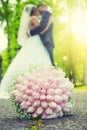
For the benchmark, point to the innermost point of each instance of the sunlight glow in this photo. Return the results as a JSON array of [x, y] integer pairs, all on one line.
[[63, 19], [76, 21], [79, 24], [65, 58]]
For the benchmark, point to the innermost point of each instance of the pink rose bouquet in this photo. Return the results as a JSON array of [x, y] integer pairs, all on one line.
[[43, 92]]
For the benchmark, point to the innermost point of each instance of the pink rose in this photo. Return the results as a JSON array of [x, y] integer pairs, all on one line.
[[29, 92], [50, 91], [31, 99], [46, 85], [39, 110], [21, 87], [68, 104], [52, 105], [42, 97], [65, 98], [36, 88], [57, 109], [60, 114], [15, 92], [36, 103], [44, 116], [29, 86], [58, 99], [25, 97], [58, 91], [49, 98], [68, 94], [64, 89], [36, 95], [50, 81], [48, 111], [28, 103], [53, 86], [24, 105], [54, 115], [31, 109], [44, 104], [43, 92], [62, 104], [35, 115], [18, 99], [65, 109]]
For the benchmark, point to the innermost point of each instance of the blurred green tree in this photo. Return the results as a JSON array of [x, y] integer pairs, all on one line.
[[67, 49]]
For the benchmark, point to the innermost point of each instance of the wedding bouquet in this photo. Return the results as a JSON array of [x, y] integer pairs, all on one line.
[[43, 92]]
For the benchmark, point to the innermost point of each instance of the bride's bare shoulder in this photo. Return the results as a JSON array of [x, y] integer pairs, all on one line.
[[33, 22], [33, 18]]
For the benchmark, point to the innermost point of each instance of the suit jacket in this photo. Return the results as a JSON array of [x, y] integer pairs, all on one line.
[[47, 37]]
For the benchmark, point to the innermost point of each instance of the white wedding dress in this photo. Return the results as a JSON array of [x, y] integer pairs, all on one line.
[[32, 53]]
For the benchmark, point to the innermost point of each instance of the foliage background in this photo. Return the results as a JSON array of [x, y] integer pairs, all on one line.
[[70, 49]]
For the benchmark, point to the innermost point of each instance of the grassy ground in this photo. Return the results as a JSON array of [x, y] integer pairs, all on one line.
[[81, 88]]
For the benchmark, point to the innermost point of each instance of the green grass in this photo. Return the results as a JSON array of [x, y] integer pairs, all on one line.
[[81, 88]]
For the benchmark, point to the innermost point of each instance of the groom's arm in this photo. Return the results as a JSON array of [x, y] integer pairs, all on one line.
[[45, 18]]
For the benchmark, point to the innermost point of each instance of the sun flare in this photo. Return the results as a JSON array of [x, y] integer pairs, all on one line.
[[79, 25]]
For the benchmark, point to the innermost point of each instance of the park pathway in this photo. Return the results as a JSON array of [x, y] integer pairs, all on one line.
[[77, 121]]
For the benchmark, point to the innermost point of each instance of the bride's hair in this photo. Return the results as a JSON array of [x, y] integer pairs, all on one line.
[[32, 11], [24, 25]]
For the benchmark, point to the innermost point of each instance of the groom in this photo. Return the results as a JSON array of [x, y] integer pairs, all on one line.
[[47, 37]]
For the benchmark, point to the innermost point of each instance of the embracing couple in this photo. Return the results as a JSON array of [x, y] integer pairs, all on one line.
[[43, 27], [35, 37]]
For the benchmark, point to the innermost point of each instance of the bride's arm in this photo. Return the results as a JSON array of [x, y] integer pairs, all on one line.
[[48, 25], [33, 23]]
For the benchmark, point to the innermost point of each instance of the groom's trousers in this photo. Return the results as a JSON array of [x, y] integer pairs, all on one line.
[[50, 52]]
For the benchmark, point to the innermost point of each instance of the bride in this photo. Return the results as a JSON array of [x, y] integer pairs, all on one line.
[[32, 52]]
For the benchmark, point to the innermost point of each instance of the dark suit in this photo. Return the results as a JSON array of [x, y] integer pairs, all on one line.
[[47, 37]]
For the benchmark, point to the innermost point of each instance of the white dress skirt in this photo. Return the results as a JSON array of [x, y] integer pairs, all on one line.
[[32, 53]]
